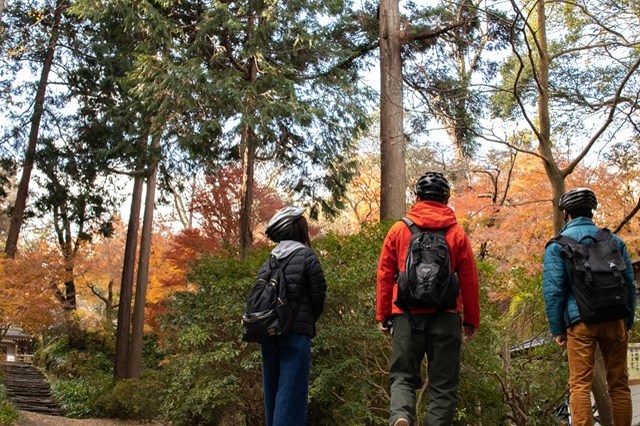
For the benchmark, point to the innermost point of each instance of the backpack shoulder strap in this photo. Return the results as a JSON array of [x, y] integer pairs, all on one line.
[[603, 234], [412, 226], [562, 240]]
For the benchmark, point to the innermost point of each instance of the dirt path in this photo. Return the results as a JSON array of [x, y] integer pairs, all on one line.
[[35, 419]]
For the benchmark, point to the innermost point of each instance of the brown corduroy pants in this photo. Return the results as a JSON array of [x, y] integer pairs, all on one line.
[[612, 337]]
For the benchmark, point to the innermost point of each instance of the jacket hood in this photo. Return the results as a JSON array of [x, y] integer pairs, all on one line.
[[285, 248], [432, 215]]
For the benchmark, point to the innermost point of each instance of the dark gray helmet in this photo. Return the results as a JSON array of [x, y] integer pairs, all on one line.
[[433, 186], [280, 225], [578, 200]]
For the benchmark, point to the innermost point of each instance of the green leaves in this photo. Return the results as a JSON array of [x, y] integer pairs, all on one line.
[[9, 414], [211, 368]]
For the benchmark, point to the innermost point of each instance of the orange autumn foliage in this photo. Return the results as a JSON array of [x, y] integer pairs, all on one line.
[[513, 234], [28, 288], [217, 210], [99, 272]]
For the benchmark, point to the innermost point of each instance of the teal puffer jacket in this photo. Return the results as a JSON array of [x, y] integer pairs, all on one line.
[[562, 310]]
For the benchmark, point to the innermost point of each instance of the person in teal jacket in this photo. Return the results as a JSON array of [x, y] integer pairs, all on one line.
[[579, 337]]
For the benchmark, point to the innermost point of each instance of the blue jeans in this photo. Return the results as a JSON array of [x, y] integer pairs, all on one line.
[[286, 364]]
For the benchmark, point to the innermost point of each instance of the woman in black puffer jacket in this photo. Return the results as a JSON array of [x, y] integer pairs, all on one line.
[[286, 359]]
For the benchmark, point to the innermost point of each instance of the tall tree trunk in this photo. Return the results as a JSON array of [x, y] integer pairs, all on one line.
[[62, 228], [126, 285], [69, 267], [74, 333], [555, 175], [108, 308], [248, 164], [135, 353], [556, 178], [20, 205], [70, 290], [392, 140]]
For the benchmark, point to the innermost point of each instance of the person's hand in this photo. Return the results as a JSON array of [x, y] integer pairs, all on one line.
[[384, 326], [561, 340], [469, 333]]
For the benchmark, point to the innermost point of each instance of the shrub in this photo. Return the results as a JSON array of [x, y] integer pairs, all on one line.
[[79, 397], [53, 356], [62, 360], [78, 376], [82, 377], [213, 375], [135, 399], [8, 412], [348, 343]]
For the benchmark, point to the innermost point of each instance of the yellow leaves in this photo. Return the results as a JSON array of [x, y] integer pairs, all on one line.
[[363, 196], [36, 14]]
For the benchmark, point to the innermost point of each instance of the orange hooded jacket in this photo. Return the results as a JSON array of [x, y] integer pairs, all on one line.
[[435, 216]]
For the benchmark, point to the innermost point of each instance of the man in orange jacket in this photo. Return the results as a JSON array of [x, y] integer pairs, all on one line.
[[435, 332]]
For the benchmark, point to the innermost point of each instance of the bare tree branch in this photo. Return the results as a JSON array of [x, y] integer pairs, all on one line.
[[626, 220], [614, 103]]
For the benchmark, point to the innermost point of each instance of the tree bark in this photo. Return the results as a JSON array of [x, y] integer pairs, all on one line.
[[134, 365], [126, 285], [108, 303], [555, 175], [108, 309], [248, 162], [392, 139], [17, 214], [601, 391], [248, 165], [62, 228]]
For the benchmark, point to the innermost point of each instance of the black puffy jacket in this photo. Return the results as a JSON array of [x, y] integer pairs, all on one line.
[[306, 286]]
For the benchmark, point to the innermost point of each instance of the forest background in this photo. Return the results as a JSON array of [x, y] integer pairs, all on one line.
[[146, 143]]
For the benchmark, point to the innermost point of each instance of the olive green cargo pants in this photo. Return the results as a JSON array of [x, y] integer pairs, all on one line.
[[439, 336]]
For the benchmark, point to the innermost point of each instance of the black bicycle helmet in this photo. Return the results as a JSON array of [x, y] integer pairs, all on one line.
[[433, 186], [581, 200], [280, 225]]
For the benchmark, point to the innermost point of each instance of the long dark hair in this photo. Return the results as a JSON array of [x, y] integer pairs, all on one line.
[[300, 231]]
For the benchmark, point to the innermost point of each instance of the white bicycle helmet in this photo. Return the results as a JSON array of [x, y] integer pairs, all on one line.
[[280, 226]]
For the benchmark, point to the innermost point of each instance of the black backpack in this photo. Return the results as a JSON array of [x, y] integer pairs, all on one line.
[[597, 284], [268, 312], [427, 281]]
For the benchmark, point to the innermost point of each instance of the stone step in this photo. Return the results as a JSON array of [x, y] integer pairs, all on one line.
[[41, 410], [19, 381], [27, 394], [31, 395], [26, 384], [46, 402], [28, 388]]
